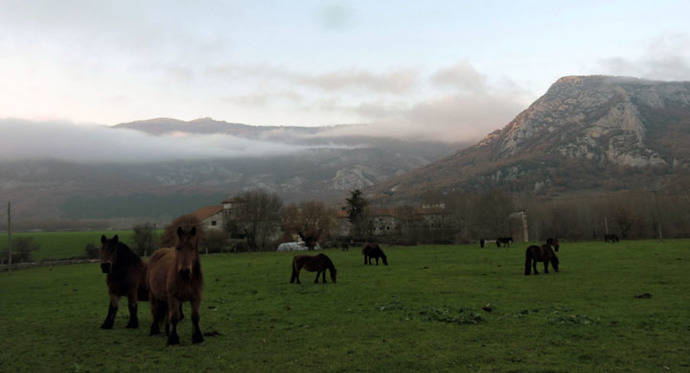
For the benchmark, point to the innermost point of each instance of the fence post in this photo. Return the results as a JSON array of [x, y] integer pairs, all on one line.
[[9, 236]]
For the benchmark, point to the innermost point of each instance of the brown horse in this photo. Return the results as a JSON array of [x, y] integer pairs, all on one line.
[[126, 277], [373, 251], [174, 277], [536, 254], [317, 263]]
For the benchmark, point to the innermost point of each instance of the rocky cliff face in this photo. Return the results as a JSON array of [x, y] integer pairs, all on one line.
[[602, 125]]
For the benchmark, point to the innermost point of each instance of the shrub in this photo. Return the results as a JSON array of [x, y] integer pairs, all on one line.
[[92, 251], [22, 249]]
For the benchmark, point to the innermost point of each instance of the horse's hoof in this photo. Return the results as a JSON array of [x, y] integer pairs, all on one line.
[[107, 326], [132, 325], [173, 340], [197, 338]]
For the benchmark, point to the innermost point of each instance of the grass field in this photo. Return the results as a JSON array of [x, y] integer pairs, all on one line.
[[62, 245], [423, 312]]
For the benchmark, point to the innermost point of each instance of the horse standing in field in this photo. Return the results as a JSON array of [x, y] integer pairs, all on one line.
[[317, 263], [506, 241], [611, 238], [536, 254], [553, 242], [174, 276], [373, 251], [310, 240], [126, 277]]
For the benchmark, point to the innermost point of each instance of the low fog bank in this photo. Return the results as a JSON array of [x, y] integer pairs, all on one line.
[[21, 139]]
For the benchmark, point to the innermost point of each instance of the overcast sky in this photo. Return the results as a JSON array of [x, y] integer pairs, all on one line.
[[447, 69]]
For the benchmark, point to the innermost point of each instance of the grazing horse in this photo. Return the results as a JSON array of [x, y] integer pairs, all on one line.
[[317, 263], [174, 277], [373, 251], [536, 254], [506, 241], [611, 238], [126, 277]]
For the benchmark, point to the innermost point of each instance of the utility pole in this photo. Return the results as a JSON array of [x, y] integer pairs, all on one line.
[[606, 226], [9, 236], [658, 216]]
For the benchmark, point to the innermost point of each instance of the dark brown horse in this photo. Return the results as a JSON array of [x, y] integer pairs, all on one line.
[[126, 277], [505, 241], [536, 254], [553, 242], [174, 277], [613, 238], [373, 251], [310, 239], [317, 263]]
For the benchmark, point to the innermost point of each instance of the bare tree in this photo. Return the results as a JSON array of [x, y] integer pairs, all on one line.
[[257, 214]]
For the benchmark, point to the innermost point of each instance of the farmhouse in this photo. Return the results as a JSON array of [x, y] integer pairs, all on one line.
[[211, 217], [215, 217]]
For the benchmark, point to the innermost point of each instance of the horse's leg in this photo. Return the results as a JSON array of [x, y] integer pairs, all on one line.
[[158, 311], [316, 281], [534, 266], [112, 311], [546, 266], [377, 260], [365, 260], [173, 318], [323, 277], [132, 306], [197, 336]]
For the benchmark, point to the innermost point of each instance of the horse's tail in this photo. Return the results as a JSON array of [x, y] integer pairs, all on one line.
[[528, 262], [294, 270]]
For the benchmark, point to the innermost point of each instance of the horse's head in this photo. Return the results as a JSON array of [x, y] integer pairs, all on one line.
[[186, 253], [383, 257], [333, 274], [554, 262], [108, 253]]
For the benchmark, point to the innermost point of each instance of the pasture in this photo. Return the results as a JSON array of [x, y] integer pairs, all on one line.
[[423, 312], [64, 245]]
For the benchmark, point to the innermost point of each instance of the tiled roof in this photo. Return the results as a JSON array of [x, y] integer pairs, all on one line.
[[206, 212]]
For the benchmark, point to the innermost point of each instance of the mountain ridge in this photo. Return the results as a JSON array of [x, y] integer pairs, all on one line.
[[611, 127]]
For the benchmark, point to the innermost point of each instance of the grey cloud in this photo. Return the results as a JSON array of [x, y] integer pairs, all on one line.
[[64, 141], [473, 108], [665, 58], [263, 99], [395, 82], [462, 76]]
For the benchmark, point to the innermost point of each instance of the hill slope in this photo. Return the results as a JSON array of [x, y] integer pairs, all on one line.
[[585, 133]]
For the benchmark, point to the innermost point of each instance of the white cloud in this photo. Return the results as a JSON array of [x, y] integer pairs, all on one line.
[[65, 141]]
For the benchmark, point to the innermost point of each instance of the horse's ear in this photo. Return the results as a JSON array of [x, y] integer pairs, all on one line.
[[103, 239], [116, 239], [179, 232], [192, 233]]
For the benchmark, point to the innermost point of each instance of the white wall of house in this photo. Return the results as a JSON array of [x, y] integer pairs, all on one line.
[[213, 222]]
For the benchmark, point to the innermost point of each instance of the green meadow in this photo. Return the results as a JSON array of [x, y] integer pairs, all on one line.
[[434, 308], [64, 245]]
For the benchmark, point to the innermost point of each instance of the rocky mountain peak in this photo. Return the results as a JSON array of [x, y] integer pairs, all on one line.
[[592, 117]]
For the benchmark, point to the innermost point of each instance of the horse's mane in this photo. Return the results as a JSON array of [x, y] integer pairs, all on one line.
[[126, 257], [329, 263]]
